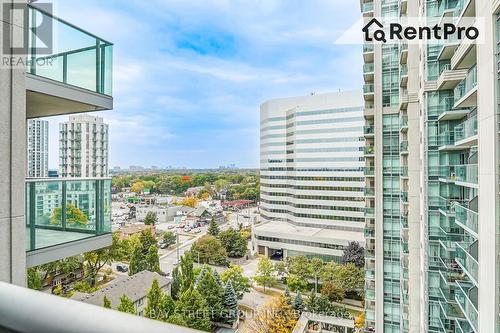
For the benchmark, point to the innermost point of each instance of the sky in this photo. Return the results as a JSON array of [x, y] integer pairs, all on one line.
[[189, 75]]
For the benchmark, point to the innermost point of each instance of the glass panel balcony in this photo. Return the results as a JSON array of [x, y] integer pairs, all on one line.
[[367, 7], [369, 150], [78, 58], [466, 129], [369, 253], [369, 212], [369, 130], [466, 305], [369, 191], [468, 263], [403, 147], [368, 48], [467, 173], [369, 171], [368, 68], [466, 217], [404, 196], [60, 211], [368, 88], [403, 121], [467, 84]]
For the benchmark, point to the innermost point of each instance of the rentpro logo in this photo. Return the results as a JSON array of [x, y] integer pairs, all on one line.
[[374, 30]]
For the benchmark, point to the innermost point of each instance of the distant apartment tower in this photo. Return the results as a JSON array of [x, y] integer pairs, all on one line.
[[83, 147], [312, 180], [432, 136], [38, 148]]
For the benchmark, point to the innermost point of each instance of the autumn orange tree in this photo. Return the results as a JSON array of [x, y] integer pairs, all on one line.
[[276, 316]]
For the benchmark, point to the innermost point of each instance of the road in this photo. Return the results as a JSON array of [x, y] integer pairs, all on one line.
[[169, 260]]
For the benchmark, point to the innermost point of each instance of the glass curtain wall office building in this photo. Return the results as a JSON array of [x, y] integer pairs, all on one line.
[[447, 142], [312, 181]]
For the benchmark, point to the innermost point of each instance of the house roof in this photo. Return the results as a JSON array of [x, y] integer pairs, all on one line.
[[135, 287]]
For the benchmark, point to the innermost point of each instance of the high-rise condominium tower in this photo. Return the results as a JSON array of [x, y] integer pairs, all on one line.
[[432, 119], [38, 148], [83, 147], [312, 181]]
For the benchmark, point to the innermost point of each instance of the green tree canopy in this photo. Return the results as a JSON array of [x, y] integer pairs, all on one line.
[[151, 218], [126, 305], [265, 274], [193, 310], [240, 283], [234, 243], [209, 250]]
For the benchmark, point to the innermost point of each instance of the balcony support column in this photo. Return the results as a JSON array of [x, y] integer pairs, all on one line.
[[12, 151]]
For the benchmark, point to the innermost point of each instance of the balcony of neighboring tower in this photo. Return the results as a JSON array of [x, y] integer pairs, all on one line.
[[75, 77]]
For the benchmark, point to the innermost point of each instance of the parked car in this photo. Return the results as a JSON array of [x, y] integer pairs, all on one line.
[[197, 231], [122, 268], [163, 246]]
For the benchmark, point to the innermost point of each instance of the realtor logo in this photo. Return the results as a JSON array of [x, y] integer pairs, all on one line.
[[37, 36], [374, 30]]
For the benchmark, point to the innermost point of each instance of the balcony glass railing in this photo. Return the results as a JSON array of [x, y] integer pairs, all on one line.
[[369, 150], [466, 261], [368, 48], [369, 130], [446, 138], [78, 58], [467, 84], [369, 171], [466, 305], [466, 129], [367, 7], [368, 68], [369, 191], [466, 173], [403, 70], [369, 212], [466, 217], [368, 88], [60, 211], [403, 121], [403, 147]]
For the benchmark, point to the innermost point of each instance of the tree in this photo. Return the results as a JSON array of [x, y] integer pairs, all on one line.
[[192, 309], [75, 217], [298, 303], [354, 253], [106, 303], [169, 238], [186, 272], [175, 287], [145, 254], [264, 276], [332, 292], [213, 294], [240, 284], [233, 242], [281, 268], [287, 295], [190, 202], [218, 279], [230, 304], [209, 250], [84, 287], [137, 187], [316, 266], [151, 218], [349, 278], [299, 265], [276, 316], [35, 280], [96, 260], [213, 228], [126, 305], [359, 323], [296, 283], [155, 303]]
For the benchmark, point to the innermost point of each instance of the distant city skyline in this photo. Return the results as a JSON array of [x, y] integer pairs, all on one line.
[[189, 77]]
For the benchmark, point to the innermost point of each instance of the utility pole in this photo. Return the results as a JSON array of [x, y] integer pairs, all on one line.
[[177, 234]]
